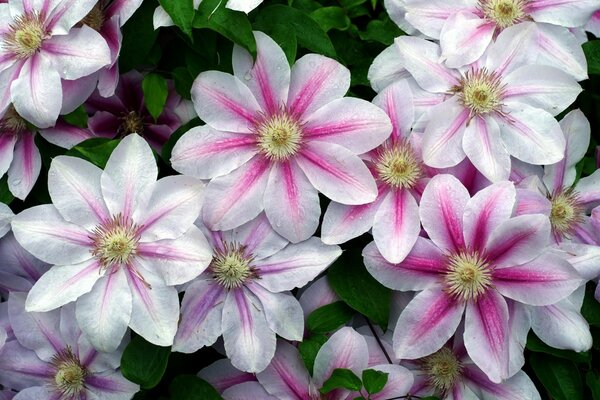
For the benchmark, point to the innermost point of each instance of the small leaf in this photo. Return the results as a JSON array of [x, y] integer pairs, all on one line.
[[591, 50], [374, 381], [5, 195], [593, 382], [309, 348], [350, 280], [329, 317], [331, 18], [190, 387], [234, 25], [381, 31], [341, 378], [591, 307], [144, 363], [560, 377], [78, 117], [138, 37], [181, 12], [95, 150], [155, 90]]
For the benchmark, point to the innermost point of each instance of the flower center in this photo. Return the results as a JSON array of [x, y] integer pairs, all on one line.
[[115, 242], [442, 369], [398, 166], [566, 212], [468, 275], [480, 91], [69, 375], [25, 35], [95, 18], [504, 13], [231, 266], [12, 123], [132, 123], [279, 136]]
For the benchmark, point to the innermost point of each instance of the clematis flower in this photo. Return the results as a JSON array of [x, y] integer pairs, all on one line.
[[162, 18], [465, 28], [287, 378], [499, 108], [51, 359], [19, 270], [450, 374], [119, 241], [476, 255], [126, 113], [243, 295], [6, 215], [39, 48], [274, 139]]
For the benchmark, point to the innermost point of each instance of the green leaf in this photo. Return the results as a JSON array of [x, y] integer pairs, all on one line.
[[309, 348], [5, 195], [144, 363], [181, 12], [138, 37], [183, 82], [341, 378], [560, 377], [381, 31], [591, 50], [234, 25], [535, 344], [329, 317], [308, 32], [331, 18], [374, 381], [95, 150], [593, 382], [351, 281], [155, 91], [591, 307], [77, 118], [190, 387]]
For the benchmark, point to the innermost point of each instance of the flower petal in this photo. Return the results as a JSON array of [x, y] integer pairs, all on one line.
[[205, 153], [247, 391], [224, 102], [259, 238], [315, 81], [201, 315], [484, 148], [345, 349], [296, 265], [62, 284], [65, 135], [129, 176], [342, 222], [571, 14], [399, 383], [518, 386], [43, 232], [249, 342], [7, 145], [74, 186], [111, 386], [337, 173], [282, 311], [268, 78], [396, 225], [433, 316], [419, 270], [20, 368], [291, 202], [464, 38], [442, 206], [386, 68], [104, 313], [236, 198], [25, 167]]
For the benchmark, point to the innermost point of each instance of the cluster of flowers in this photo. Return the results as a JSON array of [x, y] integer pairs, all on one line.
[[458, 168]]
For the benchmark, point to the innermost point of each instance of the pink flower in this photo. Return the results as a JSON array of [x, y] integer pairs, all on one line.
[[125, 113], [499, 107], [6, 215], [39, 48], [51, 359], [476, 255], [119, 241], [244, 294], [275, 138], [19, 270]]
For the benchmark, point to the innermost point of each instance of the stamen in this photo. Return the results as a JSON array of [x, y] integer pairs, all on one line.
[[567, 212], [231, 267], [468, 275], [12, 123], [279, 136], [25, 35], [132, 123], [480, 91], [398, 166], [95, 18], [443, 369], [504, 13], [115, 242], [69, 374]]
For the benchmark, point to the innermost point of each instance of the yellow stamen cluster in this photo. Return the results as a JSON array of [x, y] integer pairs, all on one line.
[[12, 123], [480, 91], [566, 212], [115, 242], [279, 136], [504, 13], [25, 35], [398, 166], [231, 266], [442, 369], [95, 18], [132, 123], [468, 275], [69, 374]]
